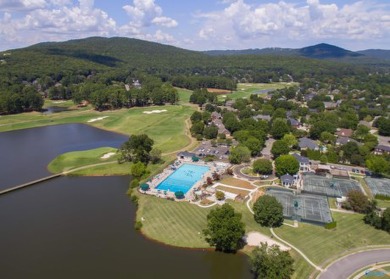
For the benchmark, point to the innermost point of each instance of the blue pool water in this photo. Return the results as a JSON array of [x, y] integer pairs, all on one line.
[[183, 178]]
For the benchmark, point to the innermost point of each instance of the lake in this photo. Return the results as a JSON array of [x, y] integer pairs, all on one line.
[[83, 227]]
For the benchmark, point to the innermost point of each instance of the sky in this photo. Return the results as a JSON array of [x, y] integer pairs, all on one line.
[[200, 24]]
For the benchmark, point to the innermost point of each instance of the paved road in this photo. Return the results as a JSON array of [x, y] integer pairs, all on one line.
[[347, 266]]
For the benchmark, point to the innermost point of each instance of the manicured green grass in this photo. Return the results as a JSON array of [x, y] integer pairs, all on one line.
[[320, 244], [174, 223], [71, 160], [166, 129], [184, 95], [383, 204], [244, 90], [302, 269]]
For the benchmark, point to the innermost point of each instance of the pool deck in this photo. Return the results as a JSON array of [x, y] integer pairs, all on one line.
[[157, 179]]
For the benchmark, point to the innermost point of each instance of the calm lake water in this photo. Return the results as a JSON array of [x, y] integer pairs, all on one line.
[[82, 227]]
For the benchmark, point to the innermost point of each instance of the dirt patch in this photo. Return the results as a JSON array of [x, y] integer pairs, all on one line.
[[238, 183], [255, 238], [218, 91], [243, 193]]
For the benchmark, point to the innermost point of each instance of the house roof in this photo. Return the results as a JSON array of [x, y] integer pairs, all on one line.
[[345, 132], [382, 147], [186, 154], [294, 122], [287, 178], [344, 140], [307, 143], [301, 159], [262, 117]]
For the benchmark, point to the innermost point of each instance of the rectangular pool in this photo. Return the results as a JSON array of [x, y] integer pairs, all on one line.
[[183, 178]]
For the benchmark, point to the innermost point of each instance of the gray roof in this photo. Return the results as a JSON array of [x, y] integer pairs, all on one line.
[[344, 140], [385, 148], [186, 154], [287, 178], [301, 159], [307, 143], [294, 122], [262, 117]]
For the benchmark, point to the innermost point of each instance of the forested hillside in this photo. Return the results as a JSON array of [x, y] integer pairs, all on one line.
[[75, 69]]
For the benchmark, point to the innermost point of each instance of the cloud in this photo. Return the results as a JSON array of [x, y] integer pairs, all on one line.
[[20, 5], [292, 21], [145, 13], [61, 20]]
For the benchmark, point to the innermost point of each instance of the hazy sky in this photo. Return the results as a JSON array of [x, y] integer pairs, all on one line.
[[200, 24]]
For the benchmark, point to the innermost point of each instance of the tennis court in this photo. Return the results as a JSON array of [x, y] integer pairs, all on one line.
[[330, 187], [303, 207], [379, 186]]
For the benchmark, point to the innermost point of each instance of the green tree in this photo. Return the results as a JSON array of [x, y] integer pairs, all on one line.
[[327, 137], [262, 166], [268, 211], [286, 164], [357, 202], [279, 128], [254, 145], [224, 229], [210, 132], [136, 148], [271, 263], [386, 220], [155, 155], [220, 195], [290, 140], [279, 147], [239, 154], [378, 164], [138, 169]]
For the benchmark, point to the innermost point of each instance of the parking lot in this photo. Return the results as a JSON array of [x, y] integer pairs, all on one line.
[[221, 152]]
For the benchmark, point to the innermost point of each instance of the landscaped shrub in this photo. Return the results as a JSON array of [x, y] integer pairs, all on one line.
[[220, 195], [138, 225], [134, 199], [331, 225], [134, 183]]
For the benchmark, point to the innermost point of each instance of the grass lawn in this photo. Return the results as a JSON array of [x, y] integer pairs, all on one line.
[[244, 90], [77, 159], [174, 223], [184, 95], [237, 183], [321, 245], [383, 204]]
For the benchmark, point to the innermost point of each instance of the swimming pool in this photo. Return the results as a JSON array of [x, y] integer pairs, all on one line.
[[183, 178]]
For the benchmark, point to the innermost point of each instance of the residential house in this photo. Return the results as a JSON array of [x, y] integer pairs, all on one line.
[[330, 105], [344, 140], [287, 180], [309, 97], [304, 163], [344, 133], [365, 123], [185, 155], [306, 143], [262, 117], [382, 149], [294, 123]]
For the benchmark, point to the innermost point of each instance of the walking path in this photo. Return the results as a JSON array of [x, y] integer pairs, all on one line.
[[299, 251]]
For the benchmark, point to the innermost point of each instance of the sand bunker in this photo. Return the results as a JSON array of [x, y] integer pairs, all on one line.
[[97, 119], [254, 239], [108, 155], [155, 111]]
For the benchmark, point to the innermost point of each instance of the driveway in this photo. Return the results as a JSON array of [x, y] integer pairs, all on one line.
[[346, 266]]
